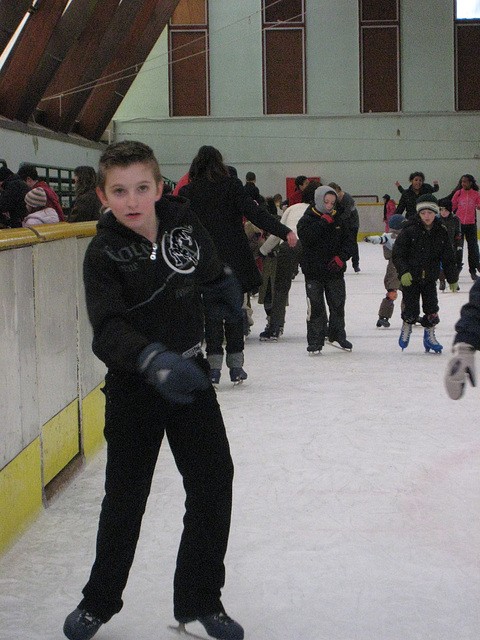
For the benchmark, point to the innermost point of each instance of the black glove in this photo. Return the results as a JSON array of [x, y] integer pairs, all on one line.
[[174, 377], [223, 299]]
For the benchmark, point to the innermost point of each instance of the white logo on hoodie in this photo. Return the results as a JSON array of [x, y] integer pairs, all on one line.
[[180, 250]]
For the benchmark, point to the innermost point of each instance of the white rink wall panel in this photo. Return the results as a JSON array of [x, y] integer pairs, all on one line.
[[50, 382], [18, 388], [56, 325], [91, 370]]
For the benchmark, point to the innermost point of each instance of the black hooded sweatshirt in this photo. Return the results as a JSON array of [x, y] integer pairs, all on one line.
[[138, 292]]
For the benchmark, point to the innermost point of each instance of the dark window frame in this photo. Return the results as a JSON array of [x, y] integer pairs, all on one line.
[[297, 24], [466, 82], [196, 30], [383, 27]]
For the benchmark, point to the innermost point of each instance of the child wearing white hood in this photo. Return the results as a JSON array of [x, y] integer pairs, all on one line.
[[327, 244], [38, 212]]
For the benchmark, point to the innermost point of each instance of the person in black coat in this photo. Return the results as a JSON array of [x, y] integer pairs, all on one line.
[[327, 244], [145, 273], [421, 247], [12, 199], [221, 204], [417, 188]]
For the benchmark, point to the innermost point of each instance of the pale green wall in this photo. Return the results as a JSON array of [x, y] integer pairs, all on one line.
[[365, 153], [427, 55], [332, 57], [235, 58], [148, 96]]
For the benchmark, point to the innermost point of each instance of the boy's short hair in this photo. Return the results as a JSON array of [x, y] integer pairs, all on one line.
[[28, 171], [250, 177], [123, 154]]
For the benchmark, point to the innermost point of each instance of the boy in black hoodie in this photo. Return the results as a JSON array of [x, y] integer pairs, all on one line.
[[144, 274], [421, 246]]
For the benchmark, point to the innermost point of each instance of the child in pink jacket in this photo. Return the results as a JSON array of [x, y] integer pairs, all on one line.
[[465, 202]]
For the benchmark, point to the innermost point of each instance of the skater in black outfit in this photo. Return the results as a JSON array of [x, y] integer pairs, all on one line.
[[221, 204], [421, 246], [144, 274], [327, 244]]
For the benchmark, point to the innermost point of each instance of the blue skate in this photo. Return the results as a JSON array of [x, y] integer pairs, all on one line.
[[430, 341], [405, 334]]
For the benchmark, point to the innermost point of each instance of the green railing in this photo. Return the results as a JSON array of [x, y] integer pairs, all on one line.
[[60, 179]]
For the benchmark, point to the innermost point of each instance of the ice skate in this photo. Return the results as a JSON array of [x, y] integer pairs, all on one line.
[[237, 375], [314, 349], [383, 322], [269, 335], [341, 344], [81, 625], [430, 341], [217, 625], [405, 334]]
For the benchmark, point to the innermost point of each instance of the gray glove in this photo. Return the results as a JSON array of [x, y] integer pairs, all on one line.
[[174, 377], [460, 368]]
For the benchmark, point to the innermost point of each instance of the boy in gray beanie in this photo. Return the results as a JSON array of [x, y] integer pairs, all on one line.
[[417, 254]]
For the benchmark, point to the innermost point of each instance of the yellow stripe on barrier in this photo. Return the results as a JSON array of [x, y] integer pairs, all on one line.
[[60, 230], [16, 238], [11, 238]]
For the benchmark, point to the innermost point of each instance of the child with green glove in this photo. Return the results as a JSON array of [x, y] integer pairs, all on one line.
[[421, 247]]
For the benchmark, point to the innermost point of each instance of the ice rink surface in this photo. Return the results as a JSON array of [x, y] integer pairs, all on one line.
[[356, 497]]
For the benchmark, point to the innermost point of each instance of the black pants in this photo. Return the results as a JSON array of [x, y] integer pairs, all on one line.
[[136, 420], [469, 233], [318, 324], [355, 255], [216, 331], [287, 261], [427, 290]]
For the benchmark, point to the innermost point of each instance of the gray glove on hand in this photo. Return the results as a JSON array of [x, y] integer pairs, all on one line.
[[174, 377], [460, 368]]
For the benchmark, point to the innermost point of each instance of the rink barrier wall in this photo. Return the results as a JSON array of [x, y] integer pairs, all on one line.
[[50, 391]]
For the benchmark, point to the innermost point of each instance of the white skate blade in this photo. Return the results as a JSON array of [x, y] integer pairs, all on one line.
[[180, 630], [337, 346]]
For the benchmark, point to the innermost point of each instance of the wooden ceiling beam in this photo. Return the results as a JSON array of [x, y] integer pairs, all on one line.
[[105, 98], [66, 32], [19, 69], [116, 38], [12, 13], [74, 70]]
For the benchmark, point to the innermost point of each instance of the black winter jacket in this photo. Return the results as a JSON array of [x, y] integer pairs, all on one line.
[[408, 200], [322, 241], [12, 201], [468, 327], [421, 252], [221, 207], [138, 293]]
